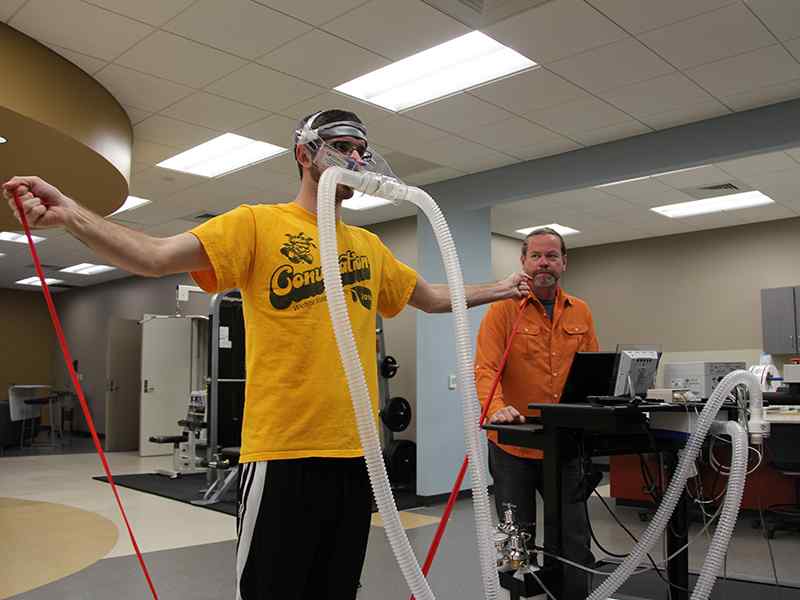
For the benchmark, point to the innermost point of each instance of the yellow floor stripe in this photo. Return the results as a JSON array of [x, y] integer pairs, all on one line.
[[409, 520], [44, 542]]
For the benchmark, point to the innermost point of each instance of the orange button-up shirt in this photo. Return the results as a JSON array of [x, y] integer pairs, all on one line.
[[540, 358]]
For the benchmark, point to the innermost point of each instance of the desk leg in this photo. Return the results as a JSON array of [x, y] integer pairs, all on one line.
[[553, 455], [52, 419], [677, 537]]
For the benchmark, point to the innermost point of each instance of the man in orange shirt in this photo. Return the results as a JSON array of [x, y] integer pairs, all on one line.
[[554, 327]]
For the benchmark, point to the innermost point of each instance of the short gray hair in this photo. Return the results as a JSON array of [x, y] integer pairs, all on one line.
[[543, 231]]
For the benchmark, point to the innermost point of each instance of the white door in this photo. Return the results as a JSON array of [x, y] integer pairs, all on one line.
[[166, 380], [123, 365]]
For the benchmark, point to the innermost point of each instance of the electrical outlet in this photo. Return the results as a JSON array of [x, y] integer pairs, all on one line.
[[451, 382]]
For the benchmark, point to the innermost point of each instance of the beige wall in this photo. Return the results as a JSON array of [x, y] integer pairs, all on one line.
[[28, 340], [695, 294], [400, 236]]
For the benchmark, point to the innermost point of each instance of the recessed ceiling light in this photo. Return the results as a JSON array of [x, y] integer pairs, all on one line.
[[462, 63], [34, 281], [711, 205], [87, 269], [361, 201], [649, 176], [19, 238], [224, 154], [3, 140], [562, 229], [130, 203]]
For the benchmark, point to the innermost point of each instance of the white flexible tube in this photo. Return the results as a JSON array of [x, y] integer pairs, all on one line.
[[678, 481], [715, 558], [337, 306]]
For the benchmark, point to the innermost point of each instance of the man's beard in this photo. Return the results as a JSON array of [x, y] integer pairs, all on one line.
[[342, 191], [545, 279]]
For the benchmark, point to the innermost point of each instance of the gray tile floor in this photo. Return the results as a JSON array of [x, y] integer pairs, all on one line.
[[205, 572]]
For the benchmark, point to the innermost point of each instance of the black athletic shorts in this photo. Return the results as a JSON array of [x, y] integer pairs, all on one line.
[[302, 528]]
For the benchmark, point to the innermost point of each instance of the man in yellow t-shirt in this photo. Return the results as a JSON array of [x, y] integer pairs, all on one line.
[[305, 498]]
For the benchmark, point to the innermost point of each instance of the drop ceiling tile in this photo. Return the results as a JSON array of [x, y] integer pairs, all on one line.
[[529, 91], [151, 154], [794, 47], [315, 13], [759, 214], [580, 115], [780, 182], [9, 7], [556, 30], [432, 176], [159, 184], [369, 113], [272, 183], [169, 228], [634, 191], [461, 154], [545, 148], [659, 95], [216, 196], [171, 132], [275, 129], [138, 89], [613, 66], [709, 37], [782, 17], [351, 60], [214, 112], [283, 163], [79, 27], [402, 133], [265, 88], [458, 113], [394, 29], [89, 64], [152, 12], [179, 60], [769, 162], [763, 95], [136, 114], [241, 27], [511, 135], [637, 16], [763, 67], [688, 114]]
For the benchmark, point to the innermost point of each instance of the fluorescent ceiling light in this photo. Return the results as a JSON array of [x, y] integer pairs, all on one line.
[[226, 153], [361, 201], [649, 176], [19, 238], [3, 140], [462, 63], [716, 204], [130, 203], [562, 229], [34, 281], [87, 269]]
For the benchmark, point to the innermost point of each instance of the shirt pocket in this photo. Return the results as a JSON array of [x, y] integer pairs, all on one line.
[[528, 340], [574, 334]]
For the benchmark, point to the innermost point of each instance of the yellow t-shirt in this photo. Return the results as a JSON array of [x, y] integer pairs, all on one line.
[[297, 404]]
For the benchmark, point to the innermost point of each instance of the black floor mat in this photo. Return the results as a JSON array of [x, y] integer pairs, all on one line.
[[187, 488]]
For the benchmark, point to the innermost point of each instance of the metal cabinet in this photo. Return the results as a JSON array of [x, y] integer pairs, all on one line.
[[780, 313]]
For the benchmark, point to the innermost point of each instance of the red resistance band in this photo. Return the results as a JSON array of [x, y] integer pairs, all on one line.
[[76, 384], [460, 478]]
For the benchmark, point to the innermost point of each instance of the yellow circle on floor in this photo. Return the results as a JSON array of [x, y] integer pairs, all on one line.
[[44, 542]]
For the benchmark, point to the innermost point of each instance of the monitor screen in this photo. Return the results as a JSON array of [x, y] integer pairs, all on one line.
[[591, 374]]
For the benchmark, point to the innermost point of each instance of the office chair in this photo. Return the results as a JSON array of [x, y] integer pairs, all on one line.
[[784, 456], [19, 411]]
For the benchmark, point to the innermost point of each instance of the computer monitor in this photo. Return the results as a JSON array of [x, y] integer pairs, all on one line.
[[591, 374], [636, 372]]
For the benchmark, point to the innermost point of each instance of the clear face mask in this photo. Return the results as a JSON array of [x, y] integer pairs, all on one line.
[[325, 154]]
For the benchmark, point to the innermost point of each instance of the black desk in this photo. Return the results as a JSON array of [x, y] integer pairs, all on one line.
[[563, 432]]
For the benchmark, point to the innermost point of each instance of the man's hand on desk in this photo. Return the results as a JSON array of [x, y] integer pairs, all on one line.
[[508, 414]]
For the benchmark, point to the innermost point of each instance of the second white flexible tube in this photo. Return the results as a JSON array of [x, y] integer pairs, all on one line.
[[678, 482]]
